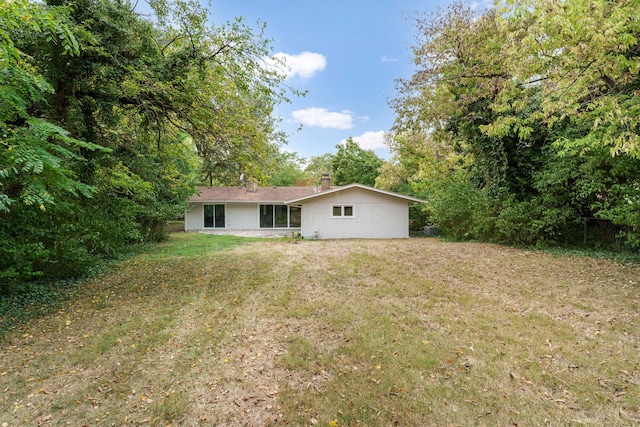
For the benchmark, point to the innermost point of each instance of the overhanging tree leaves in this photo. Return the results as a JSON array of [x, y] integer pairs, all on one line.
[[526, 96], [128, 109], [352, 164], [35, 152], [584, 57]]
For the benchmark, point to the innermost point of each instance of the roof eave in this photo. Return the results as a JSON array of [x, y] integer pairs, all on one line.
[[236, 201], [364, 187]]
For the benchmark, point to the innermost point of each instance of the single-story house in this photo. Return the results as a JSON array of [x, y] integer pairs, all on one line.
[[325, 212]]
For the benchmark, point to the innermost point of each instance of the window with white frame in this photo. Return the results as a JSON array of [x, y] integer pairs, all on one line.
[[342, 211]]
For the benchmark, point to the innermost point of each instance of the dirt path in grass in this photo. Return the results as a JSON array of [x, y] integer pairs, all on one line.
[[251, 376]]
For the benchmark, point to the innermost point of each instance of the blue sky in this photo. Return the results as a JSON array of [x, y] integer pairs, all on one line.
[[346, 54]]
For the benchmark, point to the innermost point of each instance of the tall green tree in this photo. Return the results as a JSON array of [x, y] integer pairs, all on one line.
[[110, 119], [522, 107], [584, 57], [317, 166], [352, 164], [34, 151], [286, 169], [37, 156]]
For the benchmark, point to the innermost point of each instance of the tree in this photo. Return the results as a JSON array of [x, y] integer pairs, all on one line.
[[525, 114], [160, 85], [319, 165], [584, 57], [420, 167], [34, 150], [286, 169], [37, 156], [351, 164], [111, 119]]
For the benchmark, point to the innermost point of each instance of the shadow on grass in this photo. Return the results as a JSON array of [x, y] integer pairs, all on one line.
[[37, 298]]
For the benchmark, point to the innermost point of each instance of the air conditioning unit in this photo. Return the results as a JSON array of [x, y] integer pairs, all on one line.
[[431, 231]]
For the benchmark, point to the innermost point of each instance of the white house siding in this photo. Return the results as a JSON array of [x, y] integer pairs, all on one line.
[[194, 217], [375, 216], [242, 216]]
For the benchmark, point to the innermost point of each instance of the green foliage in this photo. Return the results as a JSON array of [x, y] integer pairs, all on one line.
[[287, 170], [352, 164], [464, 211], [109, 120], [547, 44], [394, 176], [568, 190], [516, 131], [36, 163], [319, 165], [34, 152]]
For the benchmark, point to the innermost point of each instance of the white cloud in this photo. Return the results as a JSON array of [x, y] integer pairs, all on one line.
[[370, 140], [385, 58], [481, 5], [323, 118], [304, 65]]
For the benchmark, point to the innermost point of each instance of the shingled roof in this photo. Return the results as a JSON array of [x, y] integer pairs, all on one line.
[[355, 185], [244, 194]]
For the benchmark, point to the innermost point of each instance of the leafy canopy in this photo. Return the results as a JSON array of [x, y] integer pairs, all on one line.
[[109, 119], [521, 123], [352, 164]]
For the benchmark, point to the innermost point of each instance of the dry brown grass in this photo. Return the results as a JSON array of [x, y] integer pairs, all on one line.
[[404, 332]]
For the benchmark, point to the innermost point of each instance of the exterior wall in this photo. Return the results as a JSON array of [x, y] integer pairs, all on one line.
[[194, 217], [242, 216], [375, 215]]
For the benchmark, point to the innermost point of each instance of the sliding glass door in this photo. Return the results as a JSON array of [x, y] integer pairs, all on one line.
[[279, 216], [214, 216]]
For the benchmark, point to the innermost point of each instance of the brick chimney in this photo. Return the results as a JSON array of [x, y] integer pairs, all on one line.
[[325, 182], [251, 186]]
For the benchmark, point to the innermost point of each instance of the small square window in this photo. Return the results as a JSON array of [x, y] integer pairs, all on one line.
[[342, 211]]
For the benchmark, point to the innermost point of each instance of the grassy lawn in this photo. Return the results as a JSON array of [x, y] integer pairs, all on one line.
[[220, 330]]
